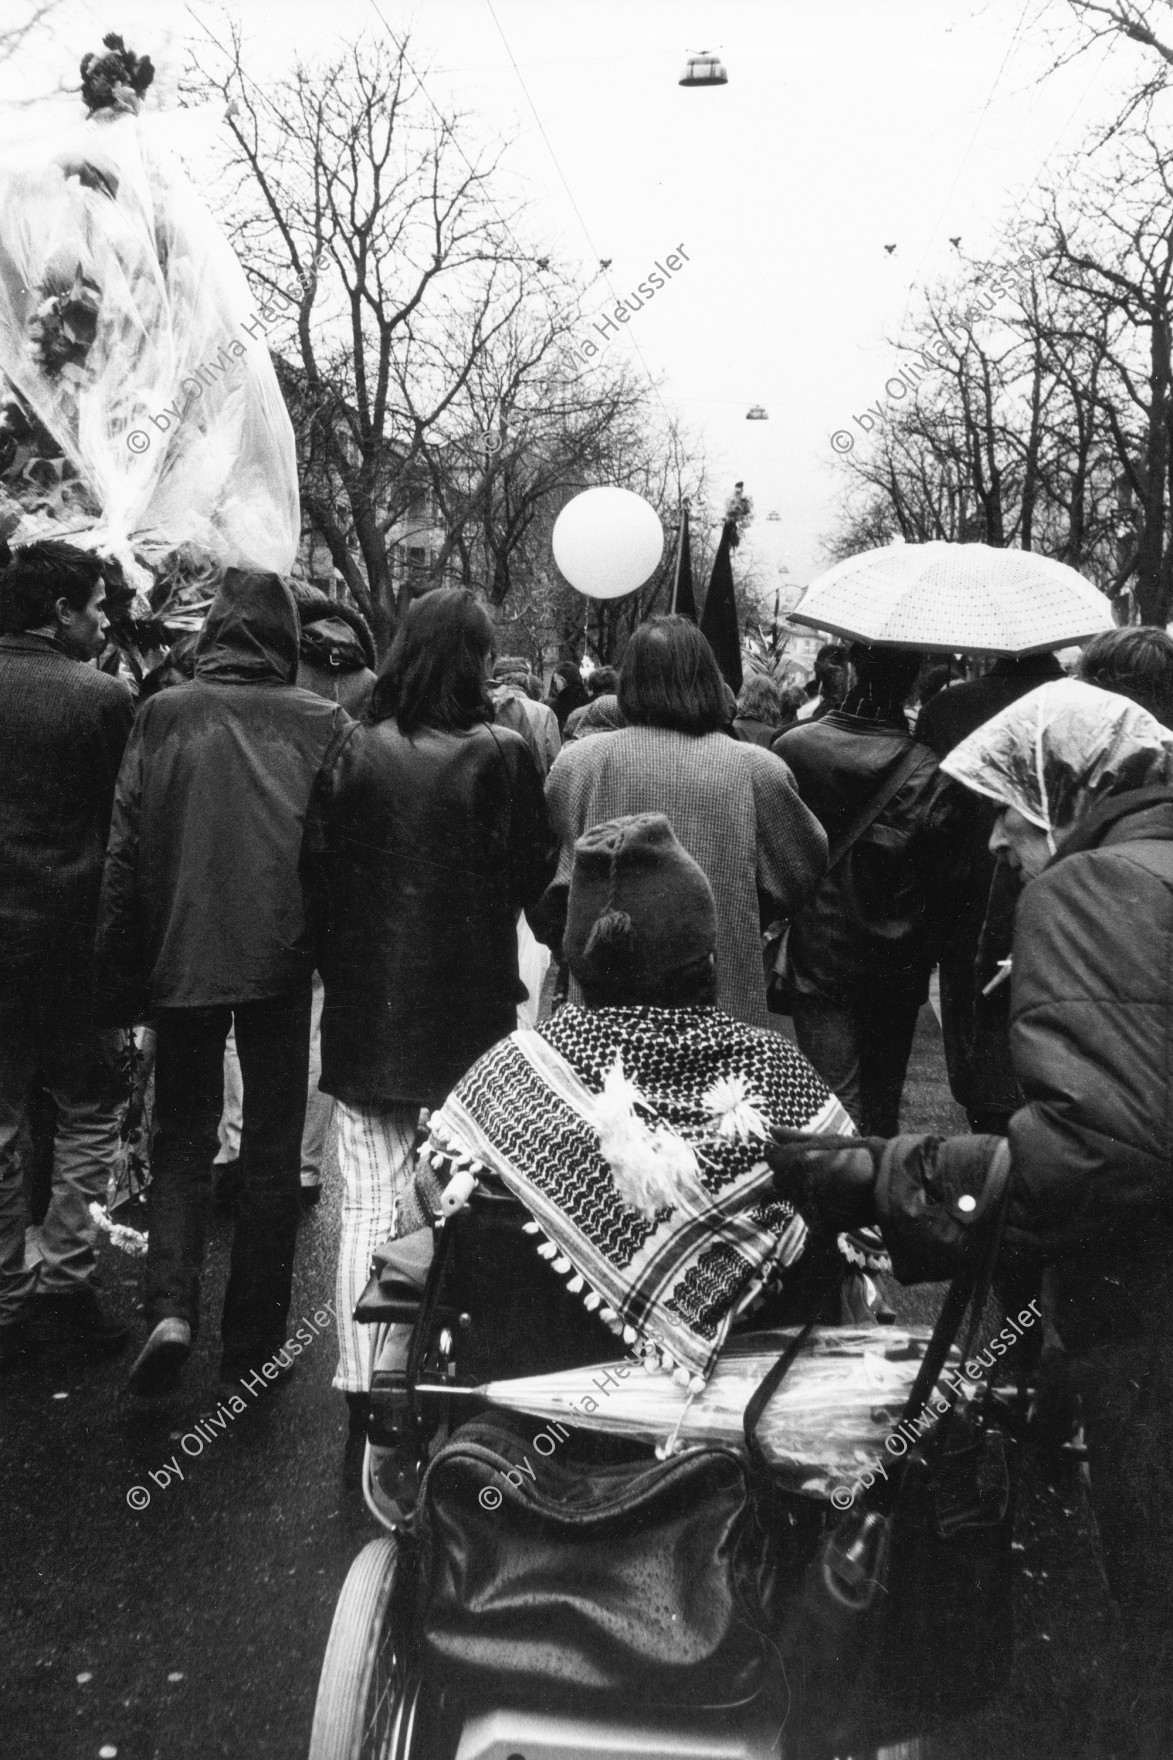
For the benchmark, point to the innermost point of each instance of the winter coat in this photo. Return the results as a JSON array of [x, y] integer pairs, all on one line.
[[422, 850], [755, 733], [63, 729], [1092, 1030], [1092, 980], [1090, 1193], [601, 715], [1092, 1042], [876, 919], [976, 1027], [954, 713], [734, 809], [201, 902], [570, 695], [534, 722]]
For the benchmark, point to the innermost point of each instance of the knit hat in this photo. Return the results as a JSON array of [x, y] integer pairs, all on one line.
[[640, 908]]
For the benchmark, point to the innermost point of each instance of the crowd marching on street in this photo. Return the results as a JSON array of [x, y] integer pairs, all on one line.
[[379, 816], [338, 868]]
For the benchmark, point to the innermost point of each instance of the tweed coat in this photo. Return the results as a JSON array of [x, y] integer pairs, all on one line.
[[733, 807]]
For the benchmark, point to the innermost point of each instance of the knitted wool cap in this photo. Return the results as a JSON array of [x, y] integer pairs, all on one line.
[[639, 906]]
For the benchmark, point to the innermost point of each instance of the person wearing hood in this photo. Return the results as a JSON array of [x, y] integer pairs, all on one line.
[[336, 653], [203, 925], [1083, 782], [975, 1025]]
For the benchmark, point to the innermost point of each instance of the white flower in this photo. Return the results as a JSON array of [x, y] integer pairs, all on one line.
[[734, 1110], [652, 1168], [129, 1239]]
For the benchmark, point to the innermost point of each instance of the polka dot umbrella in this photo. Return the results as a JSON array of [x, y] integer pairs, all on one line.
[[952, 598]]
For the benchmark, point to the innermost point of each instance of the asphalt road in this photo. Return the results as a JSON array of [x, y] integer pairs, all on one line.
[[193, 1628]]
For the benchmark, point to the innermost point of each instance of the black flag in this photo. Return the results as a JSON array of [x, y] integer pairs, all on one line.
[[683, 597], [719, 619]]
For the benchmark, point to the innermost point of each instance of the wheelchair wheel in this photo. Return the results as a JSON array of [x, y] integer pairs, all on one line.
[[368, 1705]]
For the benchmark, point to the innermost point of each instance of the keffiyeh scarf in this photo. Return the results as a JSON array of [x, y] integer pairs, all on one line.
[[539, 1112]]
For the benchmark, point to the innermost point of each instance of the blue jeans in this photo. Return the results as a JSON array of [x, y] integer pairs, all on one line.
[[860, 1047], [272, 1039], [44, 1031]]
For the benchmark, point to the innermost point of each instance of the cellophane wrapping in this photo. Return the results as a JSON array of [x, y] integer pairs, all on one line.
[[128, 326]]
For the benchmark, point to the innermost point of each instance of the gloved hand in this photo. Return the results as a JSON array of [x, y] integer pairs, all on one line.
[[830, 1180]]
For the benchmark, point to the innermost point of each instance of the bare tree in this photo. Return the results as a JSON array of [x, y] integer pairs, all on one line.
[[383, 243], [1006, 441], [14, 34]]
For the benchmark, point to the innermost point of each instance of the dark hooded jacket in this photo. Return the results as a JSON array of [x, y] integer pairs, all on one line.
[[337, 653], [201, 901]]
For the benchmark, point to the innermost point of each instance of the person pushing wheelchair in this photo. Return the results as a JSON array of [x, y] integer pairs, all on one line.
[[1084, 779]]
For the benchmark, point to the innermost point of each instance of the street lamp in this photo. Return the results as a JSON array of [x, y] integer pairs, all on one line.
[[704, 69]]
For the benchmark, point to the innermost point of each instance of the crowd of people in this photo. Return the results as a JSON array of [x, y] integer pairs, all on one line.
[[329, 887]]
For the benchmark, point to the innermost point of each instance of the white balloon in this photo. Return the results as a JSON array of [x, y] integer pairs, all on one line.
[[607, 542]]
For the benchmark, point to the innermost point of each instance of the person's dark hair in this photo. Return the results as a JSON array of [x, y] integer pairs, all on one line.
[[831, 658], [37, 576], [177, 668], [690, 986], [434, 674], [791, 698], [1136, 663], [602, 682], [933, 681], [669, 678], [884, 677], [760, 699]]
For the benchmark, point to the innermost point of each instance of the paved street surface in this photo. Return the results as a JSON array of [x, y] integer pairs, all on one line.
[[194, 1628]]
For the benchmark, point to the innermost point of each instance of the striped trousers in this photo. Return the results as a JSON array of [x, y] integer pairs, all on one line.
[[375, 1160]]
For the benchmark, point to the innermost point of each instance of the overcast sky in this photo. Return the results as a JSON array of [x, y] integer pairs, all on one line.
[[846, 125]]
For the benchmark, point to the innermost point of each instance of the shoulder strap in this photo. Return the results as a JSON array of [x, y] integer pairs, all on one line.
[[968, 1290], [777, 1373], [891, 786]]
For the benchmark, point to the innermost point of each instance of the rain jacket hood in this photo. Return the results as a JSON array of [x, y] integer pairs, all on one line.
[[1060, 750], [252, 632]]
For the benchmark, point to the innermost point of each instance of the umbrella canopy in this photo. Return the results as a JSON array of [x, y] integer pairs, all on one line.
[[951, 598]]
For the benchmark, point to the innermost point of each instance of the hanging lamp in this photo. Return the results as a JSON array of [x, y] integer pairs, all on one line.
[[704, 70]]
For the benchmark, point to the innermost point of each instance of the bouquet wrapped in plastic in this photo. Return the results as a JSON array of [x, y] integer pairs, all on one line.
[[129, 331]]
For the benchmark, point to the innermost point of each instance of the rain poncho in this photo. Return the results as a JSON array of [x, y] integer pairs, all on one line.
[[1059, 750]]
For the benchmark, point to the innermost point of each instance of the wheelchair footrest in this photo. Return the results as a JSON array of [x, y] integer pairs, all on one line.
[[389, 1301]]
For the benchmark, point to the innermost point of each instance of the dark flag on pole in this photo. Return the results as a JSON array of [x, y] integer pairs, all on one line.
[[683, 597], [719, 618]]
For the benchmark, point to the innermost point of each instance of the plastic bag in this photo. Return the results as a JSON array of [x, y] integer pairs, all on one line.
[[128, 326]]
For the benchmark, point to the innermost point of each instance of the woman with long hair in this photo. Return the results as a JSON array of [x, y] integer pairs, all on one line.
[[428, 836]]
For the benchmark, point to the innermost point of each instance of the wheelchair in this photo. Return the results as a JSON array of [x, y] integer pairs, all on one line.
[[441, 1331]]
